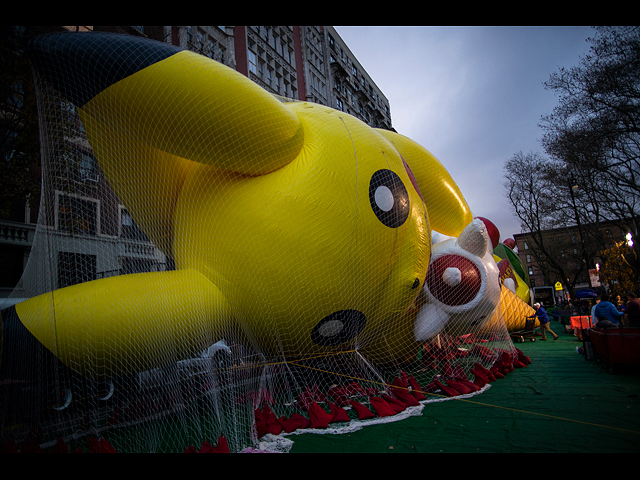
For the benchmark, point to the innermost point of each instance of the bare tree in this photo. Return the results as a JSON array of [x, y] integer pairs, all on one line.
[[539, 193], [595, 129], [19, 134]]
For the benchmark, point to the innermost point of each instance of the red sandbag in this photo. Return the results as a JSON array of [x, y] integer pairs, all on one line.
[[405, 397], [221, 447], [382, 408], [523, 358], [470, 385], [294, 422], [318, 416], [480, 380], [484, 353], [340, 395], [100, 446], [363, 412], [60, 447], [416, 391], [338, 414], [303, 421], [354, 389], [445, 389], [431, 387], [394, 403], [463, 389]]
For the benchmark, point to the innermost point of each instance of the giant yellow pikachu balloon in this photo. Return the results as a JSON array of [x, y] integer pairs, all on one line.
[[294, 225]]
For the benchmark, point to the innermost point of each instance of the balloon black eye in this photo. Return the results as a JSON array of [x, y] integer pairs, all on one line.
[[338, 327], [389, 198]]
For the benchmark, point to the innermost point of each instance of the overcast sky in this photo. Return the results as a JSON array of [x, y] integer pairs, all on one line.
[[473, 96]]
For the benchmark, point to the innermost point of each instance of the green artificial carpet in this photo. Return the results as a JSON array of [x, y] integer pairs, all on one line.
[[560, 403]]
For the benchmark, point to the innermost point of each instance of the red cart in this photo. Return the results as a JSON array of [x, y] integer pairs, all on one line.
[[616, 346]]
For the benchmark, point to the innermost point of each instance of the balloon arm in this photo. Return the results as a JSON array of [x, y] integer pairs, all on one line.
[[149, 319]]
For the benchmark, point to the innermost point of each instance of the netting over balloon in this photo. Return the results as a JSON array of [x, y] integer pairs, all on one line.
[[217, 267]]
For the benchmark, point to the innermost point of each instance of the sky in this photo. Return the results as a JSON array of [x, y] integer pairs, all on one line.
[[472, 96]]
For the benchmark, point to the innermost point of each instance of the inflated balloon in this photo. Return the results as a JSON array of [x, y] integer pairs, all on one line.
[[513, 272], [512, 313], [463, 284], [292, 224]]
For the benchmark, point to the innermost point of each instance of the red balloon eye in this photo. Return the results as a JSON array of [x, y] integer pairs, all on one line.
[[458, 286]]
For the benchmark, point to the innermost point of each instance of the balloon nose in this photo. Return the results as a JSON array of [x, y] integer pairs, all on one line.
[[338, 327]]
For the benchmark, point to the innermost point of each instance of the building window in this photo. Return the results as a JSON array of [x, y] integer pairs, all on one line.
[[211, 49], [78, 216], [528, 258], [200, 41], [74, 268], [530, 270], [128, 227], [252, 62], [339, 104]]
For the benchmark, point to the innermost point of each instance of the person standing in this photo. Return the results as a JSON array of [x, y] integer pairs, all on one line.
[[633, 310], [606, 311], [594, 319], [543, 318]]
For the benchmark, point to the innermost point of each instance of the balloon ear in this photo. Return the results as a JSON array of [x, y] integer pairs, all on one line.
[[447, 207], [474, 238], [171, 99]]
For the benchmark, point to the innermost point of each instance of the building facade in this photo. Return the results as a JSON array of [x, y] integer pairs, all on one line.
[[566, 246], [307, 63], [87, 225]]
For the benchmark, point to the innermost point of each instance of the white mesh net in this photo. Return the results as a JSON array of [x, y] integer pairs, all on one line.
[[214, 266]]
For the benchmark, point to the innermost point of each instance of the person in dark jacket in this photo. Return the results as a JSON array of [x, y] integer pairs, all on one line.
[[633, 310], [606, 311], [543, 318]]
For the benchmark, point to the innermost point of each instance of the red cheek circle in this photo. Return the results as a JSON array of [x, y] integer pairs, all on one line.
[[460, 294]]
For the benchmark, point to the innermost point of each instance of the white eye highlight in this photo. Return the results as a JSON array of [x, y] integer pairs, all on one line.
[[384, 198]]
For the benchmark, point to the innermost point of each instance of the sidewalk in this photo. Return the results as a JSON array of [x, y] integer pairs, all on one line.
[[560, 403]]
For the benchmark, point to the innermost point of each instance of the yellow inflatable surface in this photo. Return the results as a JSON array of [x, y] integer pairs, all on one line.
[[293, 223], [513, 312], [517, 284]]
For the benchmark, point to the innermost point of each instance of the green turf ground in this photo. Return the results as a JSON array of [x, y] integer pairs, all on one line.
[[560, 403]]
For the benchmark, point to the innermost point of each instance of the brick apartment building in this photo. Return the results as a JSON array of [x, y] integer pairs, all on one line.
[[565, 244]]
